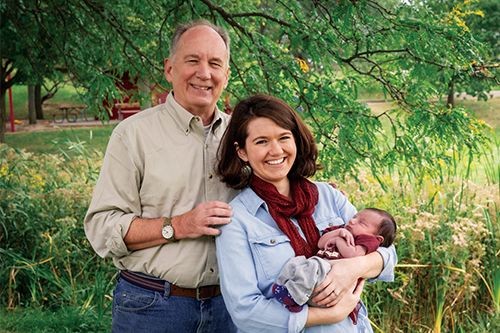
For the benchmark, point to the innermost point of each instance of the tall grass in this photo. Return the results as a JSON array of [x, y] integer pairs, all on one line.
[[46, 262], [448, 275], [447, 279]]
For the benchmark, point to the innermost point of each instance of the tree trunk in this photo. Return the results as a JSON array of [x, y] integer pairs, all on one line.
[[38, 102], [451, 94], [3, 113], [31, 105]]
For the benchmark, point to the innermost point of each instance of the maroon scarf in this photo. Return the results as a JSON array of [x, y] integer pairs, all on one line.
[[301, 206]]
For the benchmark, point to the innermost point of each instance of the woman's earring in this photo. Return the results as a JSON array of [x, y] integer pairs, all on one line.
[[246, 170]]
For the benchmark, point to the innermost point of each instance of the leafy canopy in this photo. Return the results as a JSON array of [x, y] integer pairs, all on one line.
[[316, 55]]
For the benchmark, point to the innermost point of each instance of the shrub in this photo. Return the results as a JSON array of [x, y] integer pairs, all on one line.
[[46, 260]]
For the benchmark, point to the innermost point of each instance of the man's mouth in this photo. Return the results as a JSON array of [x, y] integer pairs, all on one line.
[[200, 87]]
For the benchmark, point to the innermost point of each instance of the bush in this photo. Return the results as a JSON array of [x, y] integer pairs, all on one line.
[[448, 277], [46, 259]]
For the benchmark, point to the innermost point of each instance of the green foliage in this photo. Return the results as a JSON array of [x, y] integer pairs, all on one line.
[[448, 239], [46, 260], [318, 56], [69, 319], [447, 242]]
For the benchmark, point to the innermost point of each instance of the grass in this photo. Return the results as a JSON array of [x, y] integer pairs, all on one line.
[[489, 111], [66, 94], [69, 319], [54, 140]]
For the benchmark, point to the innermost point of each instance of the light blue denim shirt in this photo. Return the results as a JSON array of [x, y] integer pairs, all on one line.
[[251, 251]]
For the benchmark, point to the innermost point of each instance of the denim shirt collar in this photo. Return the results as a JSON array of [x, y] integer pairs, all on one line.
[[252, 201]]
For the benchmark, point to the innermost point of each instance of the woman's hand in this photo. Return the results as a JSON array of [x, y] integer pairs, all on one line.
[[337, 313], [342, 276]]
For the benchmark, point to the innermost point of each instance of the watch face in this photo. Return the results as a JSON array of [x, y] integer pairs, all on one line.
[[167, 232]]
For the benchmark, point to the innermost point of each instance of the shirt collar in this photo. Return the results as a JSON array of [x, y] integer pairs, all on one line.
[[185, 119], [252, 201]]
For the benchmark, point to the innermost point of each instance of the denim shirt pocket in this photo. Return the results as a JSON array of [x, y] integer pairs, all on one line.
[[328, 221], [271, 252]]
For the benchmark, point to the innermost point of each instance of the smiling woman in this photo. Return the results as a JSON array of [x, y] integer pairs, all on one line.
[[270, 150], [280, 215]]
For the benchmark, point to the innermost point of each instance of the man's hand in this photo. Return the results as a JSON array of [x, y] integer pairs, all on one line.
[[202, 220]]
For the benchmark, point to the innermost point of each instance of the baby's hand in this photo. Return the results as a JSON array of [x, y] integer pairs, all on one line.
[[345, 234]]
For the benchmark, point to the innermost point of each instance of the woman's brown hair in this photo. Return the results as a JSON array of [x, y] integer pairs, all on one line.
[[235, 172]]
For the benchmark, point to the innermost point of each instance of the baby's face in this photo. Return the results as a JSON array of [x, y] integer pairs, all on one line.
[[365, 222]]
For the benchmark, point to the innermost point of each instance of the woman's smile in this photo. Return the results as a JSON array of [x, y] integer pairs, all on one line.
[[271, 151]]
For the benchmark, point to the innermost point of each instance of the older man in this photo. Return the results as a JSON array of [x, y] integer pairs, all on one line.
[[157, 203]]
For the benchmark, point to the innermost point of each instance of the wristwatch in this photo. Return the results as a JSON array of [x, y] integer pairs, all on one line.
[[167, 231]]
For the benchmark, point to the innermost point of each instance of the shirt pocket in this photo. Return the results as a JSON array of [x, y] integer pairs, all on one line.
[[270, 254], [328, 221]]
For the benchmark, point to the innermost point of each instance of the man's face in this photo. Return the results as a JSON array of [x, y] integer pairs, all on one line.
[[199, 70]]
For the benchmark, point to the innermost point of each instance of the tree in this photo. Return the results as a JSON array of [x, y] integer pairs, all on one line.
[[317, 55]]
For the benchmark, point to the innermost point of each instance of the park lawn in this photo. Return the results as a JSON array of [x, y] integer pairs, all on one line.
[[55, 141], [68, 319], [489, 111], [66, 94]]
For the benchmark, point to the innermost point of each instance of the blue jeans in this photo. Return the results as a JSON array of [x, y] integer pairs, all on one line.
[[136, 309]]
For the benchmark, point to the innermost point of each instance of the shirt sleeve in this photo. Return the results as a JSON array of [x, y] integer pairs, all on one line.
[[249, 308], [390, 258], [115, 201], [369, 242]]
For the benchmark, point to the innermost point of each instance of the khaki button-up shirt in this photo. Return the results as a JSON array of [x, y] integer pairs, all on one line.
[[158, 163]]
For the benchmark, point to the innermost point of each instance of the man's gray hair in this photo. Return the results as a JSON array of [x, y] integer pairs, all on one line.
[[181, 29]]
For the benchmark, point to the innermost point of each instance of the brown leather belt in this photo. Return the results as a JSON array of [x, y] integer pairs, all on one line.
[[158, 285]]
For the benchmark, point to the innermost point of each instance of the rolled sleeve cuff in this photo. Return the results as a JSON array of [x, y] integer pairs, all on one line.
[[390, 259], [115, 243], [297, 320]]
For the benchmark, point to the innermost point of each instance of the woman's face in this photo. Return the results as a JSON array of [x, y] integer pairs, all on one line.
[[271, 151]]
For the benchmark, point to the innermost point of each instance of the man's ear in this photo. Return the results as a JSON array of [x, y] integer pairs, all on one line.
[[167, 69], [228, 75]]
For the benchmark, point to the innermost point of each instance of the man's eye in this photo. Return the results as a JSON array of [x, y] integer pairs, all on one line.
[[260, 142]]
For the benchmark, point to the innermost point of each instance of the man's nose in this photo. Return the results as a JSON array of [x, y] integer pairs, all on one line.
[[203, 71]]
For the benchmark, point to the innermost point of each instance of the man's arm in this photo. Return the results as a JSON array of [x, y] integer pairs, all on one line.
[[144, 233]]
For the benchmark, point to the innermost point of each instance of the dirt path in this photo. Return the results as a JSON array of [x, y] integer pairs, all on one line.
[[378, 106]]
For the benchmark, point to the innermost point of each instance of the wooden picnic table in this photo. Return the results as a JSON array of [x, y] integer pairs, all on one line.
[[70, 112]]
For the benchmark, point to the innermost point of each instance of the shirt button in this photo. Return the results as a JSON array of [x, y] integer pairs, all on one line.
[[211, 270], [210, 176], [272, 241], [330, 224]]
